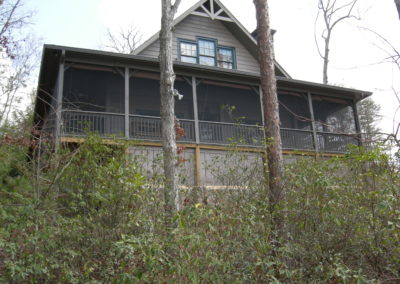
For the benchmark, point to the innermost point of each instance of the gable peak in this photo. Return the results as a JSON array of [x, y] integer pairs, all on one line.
[[212, 9]]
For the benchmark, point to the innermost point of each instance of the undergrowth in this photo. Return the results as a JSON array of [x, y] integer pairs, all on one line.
[[88, 214]]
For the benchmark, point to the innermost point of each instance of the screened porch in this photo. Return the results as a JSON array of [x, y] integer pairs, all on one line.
[[122, 102]]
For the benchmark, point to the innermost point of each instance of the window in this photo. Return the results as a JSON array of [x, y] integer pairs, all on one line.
[[207, 52], [188, 52], [225, 57]]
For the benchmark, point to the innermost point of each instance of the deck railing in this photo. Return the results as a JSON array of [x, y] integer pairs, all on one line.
[[297, 139], [149, 128], [335, 143], [226, 133], [77, 123]]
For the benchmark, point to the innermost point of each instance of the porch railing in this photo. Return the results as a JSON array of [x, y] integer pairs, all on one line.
[[149, 128], [226, 133], [77, 123], [297, 139], [335, 143]]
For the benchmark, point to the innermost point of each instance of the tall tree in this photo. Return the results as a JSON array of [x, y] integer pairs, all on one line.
[[167, 93], [333, 12], [18, 55], [397, 2], [368, 112], [270, 104]]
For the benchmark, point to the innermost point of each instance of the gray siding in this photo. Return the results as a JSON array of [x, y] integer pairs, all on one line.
[[151, 163], [231, 169], [194, 26]]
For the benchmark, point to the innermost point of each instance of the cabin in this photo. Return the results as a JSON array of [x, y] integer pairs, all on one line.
[[215, 60]]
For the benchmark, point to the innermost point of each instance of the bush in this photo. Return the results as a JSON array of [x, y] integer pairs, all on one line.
[[88, 215]]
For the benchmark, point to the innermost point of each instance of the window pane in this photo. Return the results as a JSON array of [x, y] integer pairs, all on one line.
[[225, 54], [207, 60], [188, 59], [226, 65], [206, 48], [188, 49]]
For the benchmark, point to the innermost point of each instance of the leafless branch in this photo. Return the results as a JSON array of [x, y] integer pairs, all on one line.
[[332, 15], [393, 53], [123, 41]]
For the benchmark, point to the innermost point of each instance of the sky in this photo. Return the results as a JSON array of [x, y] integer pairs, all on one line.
[[357, 56]]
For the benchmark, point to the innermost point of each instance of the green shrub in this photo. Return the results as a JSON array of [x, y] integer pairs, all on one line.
[[88, 215]]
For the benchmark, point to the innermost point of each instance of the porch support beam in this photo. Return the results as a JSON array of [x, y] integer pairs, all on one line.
[[261, 104], [314, 128], [197, 167], [59, 99], [195, 111], [358, 125], [197, 155], [260, 94], [127, 102]]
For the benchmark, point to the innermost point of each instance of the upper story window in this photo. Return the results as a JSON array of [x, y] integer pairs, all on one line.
[[207, 52], [188, 52], [225, 57]]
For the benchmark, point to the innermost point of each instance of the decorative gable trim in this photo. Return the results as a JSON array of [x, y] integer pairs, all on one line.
[[214, 10]]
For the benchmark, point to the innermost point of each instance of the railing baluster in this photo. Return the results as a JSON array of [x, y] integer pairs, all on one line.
[[149, 128]]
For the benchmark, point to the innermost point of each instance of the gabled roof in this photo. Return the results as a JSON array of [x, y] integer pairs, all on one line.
[[215, 10]]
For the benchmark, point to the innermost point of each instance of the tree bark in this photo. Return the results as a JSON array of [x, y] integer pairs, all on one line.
[[271, 106], [167, 78], [331, 11], [326, 59], [397, 2]]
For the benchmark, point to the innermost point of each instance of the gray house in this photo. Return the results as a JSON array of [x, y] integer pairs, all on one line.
[[217, 71]]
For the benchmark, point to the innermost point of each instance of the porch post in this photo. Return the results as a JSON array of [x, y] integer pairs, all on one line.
[[197, 155], [261, 104], [314, 128], [59, 99], [358, 125], [127, 102], [196, 114], [260, 94]]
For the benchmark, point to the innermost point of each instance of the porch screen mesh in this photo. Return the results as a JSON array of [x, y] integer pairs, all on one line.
[[144, 95], [93, 88], [333, 115], [294, 111], [225, 102]]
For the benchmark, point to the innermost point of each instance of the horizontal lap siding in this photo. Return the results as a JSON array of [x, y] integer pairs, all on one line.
[[152, 51], [194, 26]]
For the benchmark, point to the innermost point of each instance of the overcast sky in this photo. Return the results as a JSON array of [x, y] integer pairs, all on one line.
[[356, 55]]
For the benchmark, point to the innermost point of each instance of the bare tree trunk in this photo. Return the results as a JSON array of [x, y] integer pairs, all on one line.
[[167, 92], [397, 2], [271, 106], [326, 59], [333, 12]]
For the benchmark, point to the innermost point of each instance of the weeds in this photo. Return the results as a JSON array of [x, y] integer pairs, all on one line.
[[90, 215]]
